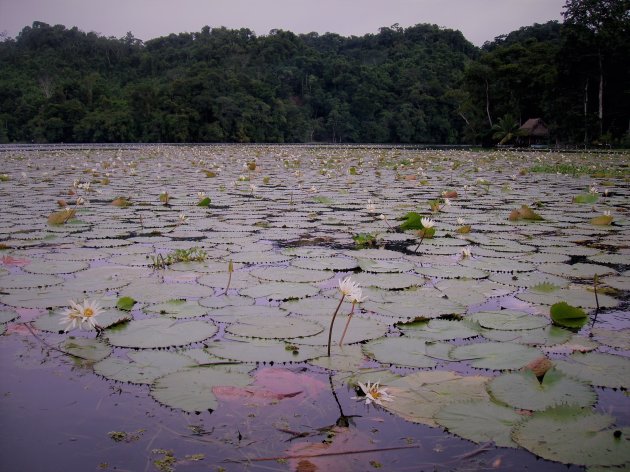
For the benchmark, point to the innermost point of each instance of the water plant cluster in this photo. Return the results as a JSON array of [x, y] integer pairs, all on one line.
[[472, 295]]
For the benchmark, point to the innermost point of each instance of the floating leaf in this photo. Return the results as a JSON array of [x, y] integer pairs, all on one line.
[[603, 370], [525, 213], [480, 421], [572, 435], [438, 330], [419, 396], [508, 320], [160, 332], [125, 303], [191, 389], [204, 202], [495, 355], [144, 367], [274, 327], [586, 198], [86, 348], [410, 352], [523, 390], [61, 217], [121, 202], [568, 316], [602, 220]]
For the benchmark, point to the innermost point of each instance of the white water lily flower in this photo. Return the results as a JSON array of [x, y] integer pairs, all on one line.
[[374, 393], [356, 295], [347, 286], [607, 213], [447, 201], [427, 222], [201, 195], [78, 314], [593, 190], [371, 207], [80, 201], [466, 252], [460, 221], [182, 218]]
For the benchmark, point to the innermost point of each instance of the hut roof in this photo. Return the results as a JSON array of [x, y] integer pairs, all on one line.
[[535, 127]]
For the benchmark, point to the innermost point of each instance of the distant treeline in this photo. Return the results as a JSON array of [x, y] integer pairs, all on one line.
[[422, 84]]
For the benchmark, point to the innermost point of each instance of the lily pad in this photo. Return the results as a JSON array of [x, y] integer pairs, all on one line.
[[409, 352], [263, 350], [191, 389], [144, 367], [523, 390], [496, 355], [480, 421], [571, 435], [160, 332], [177, 309], [438, 330], [508, 320], [86, 348], [603, 370], [419, 396], [275, 327], [280, 291]]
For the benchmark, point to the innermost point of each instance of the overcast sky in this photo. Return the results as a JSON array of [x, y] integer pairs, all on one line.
[[479, 20]]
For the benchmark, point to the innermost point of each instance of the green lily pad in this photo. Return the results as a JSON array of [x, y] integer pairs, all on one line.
[[579, 270], [177, 309], [438, 330], [523, 390], [409, 352], [619, 339], [191, 389], [86, 348], [6, 316], [290, 274], [572, 435], [507, 320], [568, 316], [419, 396], [379, 265], [548, 336], [22, 281], [125, 303], [496, 355], [160, 332], [274, 327], [579, 296], [603, 370], [144, 367], [263, 350], [480, 421], [280, 291]]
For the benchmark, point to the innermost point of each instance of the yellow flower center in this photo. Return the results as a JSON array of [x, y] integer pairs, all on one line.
[[88, 312]]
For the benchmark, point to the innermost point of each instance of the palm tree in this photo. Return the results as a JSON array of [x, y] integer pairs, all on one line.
[[506, 129]]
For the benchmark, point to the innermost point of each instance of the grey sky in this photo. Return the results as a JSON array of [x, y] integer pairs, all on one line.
[[478, 20]]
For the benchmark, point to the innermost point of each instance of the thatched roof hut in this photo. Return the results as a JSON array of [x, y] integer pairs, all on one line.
[[535, 127]]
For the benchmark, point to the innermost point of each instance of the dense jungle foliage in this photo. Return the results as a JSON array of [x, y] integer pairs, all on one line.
[[421, 84]]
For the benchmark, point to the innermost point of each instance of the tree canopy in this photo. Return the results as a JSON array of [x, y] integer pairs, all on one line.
[[422, 84]]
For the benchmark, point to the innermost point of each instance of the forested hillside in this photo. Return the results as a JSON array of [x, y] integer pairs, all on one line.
[[422, 84]]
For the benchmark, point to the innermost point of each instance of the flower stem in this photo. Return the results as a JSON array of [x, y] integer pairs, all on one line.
[[332, 322], [343, 335], [415, 251]]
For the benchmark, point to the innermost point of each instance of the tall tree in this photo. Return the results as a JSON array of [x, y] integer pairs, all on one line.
[[605, 24]]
